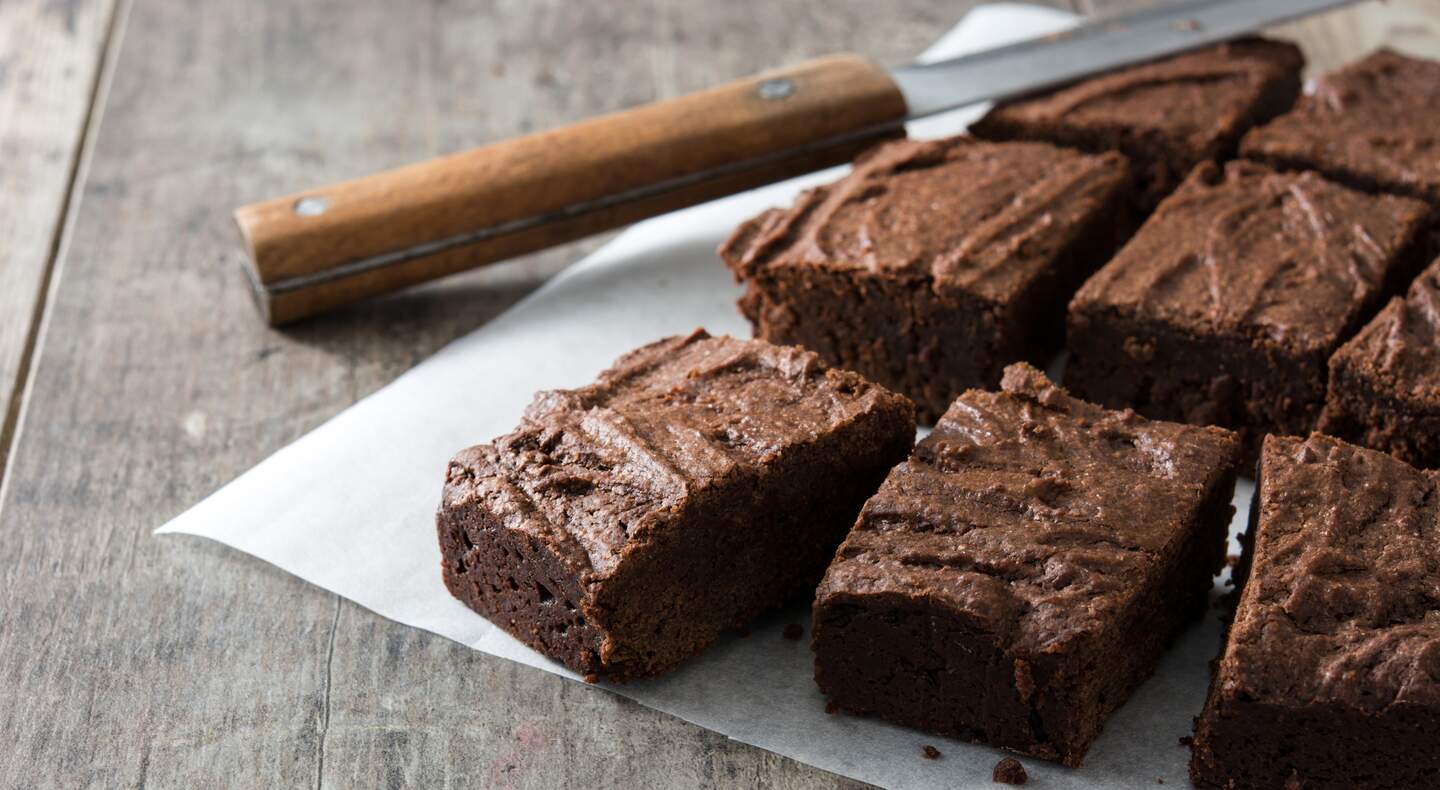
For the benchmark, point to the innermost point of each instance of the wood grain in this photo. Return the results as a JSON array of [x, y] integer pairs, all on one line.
[[49, 62], [333, 245], [127, 660]]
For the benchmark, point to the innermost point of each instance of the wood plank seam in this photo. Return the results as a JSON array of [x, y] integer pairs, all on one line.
[[9, 427], [325, 708]]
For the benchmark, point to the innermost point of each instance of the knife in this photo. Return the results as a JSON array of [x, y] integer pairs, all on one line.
[[323, 248]]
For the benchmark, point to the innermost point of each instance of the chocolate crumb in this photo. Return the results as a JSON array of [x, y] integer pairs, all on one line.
[[794, 631], [831, 708], [1009, 771], [930, 752], [1186, 740], [1231, 560], [1159, 781], [592, 677]]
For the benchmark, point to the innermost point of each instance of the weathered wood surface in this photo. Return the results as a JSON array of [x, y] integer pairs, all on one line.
[[49, 60], [131, 661]]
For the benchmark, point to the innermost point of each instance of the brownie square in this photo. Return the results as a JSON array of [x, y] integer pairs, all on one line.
[[1166, 116], [1374, 124], [934, 263], [1227, 304], [1330, 676], [1385, 383], [698, 482], [1021, 573]]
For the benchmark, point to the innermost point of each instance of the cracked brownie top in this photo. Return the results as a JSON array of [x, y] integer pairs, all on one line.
[[1342, 605], [1401, 346], [959, 213], [1290, 259], [1376, 122], [1193, 102], [596, 470], [1032, 513]]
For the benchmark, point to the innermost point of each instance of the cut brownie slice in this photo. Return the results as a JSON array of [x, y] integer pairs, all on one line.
[[935, 263], [1167, 116], [1226, 306], [1020, 575], [1374, 124], [1385, 383], [1330, 677], [698, 482]]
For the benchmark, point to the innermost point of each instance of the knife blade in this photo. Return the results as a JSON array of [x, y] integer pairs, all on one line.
[[1102, 45], [323, 248]]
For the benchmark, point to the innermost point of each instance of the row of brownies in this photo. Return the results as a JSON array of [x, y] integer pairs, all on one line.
[[936, 263], [1013, 577]]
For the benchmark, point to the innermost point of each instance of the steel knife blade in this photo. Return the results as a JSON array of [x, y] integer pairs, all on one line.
[[1098, 46]]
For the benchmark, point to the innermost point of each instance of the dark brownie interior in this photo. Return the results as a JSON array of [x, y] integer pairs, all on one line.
[[1167, 116], [1227, 304], [935, 263], [1374, 124], [698, 482], [1020, 574], [1330, 677], [1385, 383]]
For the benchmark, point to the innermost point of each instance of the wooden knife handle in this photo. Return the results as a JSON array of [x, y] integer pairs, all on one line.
[[323, 248]]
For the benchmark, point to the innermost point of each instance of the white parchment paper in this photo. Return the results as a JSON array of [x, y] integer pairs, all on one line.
[[369, 534]]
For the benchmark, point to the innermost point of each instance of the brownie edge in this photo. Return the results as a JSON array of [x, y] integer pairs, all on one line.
[[1330, 674], [1227, 304], [1384, 388], [1168, 115], [1017, 577], [1371, 124], [935, 263], [697, 483]]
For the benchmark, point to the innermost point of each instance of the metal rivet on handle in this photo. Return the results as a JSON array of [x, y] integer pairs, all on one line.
[[311, 206], [772, 90]]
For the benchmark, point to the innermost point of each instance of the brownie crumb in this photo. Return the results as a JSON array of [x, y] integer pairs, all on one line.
[[592, 677], [1186, 740], [1009, 771], [831, 708], [794, 631], [930, 752], [1231, 560]]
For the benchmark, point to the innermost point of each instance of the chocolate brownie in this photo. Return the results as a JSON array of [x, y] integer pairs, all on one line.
[[1374, 124], [1227, 304], [1385, 383], [1330, 677], [1167, 116], [935, 263], [700, 481], [1021, 573]]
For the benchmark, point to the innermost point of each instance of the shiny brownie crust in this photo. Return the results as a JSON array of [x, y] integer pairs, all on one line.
[[1330, 676], [935, 263], [1022, 572], [700, 481]]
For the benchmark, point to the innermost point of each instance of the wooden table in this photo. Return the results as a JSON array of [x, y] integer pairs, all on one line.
[[136, 378]]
